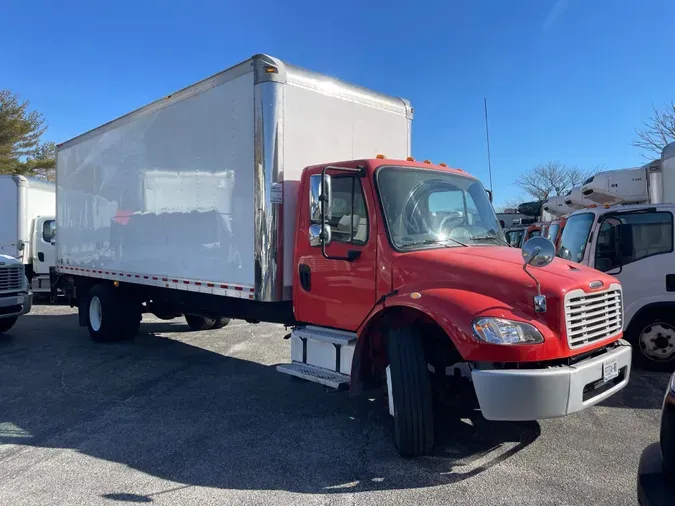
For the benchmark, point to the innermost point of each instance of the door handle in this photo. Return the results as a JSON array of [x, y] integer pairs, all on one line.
[[41, 256], [305, 275]]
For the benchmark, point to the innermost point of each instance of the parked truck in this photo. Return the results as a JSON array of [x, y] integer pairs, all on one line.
[[391, 273], [28, 226], [633, 242]]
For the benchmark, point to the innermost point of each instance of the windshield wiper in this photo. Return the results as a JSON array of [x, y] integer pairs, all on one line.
[[435, 241], [486, 237]]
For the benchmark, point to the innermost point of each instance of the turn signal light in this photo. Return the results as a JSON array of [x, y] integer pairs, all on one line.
[[410, 159], [427, 161], [380, 156], [442, 164], [607, 206]]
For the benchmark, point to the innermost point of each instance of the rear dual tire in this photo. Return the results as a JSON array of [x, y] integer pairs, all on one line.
[[197, 322], [111, 316]]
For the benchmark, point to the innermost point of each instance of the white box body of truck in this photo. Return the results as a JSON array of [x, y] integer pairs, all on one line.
[[197, 191], [27, 208]]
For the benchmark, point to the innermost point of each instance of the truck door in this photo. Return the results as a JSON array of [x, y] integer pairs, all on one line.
[[338, 293], [637, 248], [43, 247]]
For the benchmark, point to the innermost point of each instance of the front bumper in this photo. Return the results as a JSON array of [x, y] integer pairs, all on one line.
[[535, 394], [16, 304]]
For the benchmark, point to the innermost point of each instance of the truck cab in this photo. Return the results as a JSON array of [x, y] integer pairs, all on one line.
[[555, 230], [402, 269], [634, 243]]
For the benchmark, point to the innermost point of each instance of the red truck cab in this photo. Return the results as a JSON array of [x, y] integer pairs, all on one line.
[[402, 269]]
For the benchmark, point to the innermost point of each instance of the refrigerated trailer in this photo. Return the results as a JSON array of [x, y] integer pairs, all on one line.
[[391, 273]]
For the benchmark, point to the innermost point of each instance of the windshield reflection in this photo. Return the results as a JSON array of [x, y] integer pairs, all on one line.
[[426, 208]]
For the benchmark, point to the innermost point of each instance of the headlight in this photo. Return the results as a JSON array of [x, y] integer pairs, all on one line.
[[501, 331]]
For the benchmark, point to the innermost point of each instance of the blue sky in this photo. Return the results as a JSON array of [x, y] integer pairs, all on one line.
[[566, 80]]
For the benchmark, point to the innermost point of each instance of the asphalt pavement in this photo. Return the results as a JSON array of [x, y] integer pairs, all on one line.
[[204, 418]]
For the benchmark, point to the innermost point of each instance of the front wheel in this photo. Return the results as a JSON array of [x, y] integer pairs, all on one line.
[[410, 393], [653, 338], [7, 323]]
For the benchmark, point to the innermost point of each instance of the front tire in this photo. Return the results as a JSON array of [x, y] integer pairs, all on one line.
[[411, 393], [652, 336], [110, 316], [7, 323]]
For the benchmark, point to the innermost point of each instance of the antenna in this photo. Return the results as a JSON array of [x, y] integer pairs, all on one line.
[[487, 138]]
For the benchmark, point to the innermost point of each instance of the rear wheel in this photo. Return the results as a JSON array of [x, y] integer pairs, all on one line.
[[221, 322], [196, 322], [652, 335], [410, 393], [7, 323], [110, 317]]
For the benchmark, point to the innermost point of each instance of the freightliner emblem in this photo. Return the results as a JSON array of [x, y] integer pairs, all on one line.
[[595, 284]]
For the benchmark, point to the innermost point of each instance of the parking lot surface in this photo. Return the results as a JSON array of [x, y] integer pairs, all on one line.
[[178, 417]]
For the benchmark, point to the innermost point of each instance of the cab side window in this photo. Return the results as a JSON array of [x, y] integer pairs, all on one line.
[[627, 238], [349, 221], [48, 231]]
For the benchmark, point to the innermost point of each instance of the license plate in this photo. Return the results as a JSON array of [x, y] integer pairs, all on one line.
[[610, 370]]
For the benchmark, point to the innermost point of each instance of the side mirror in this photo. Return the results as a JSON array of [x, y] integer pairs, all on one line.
[[320, 198], [489, 192], [538, 252], [315, 234]]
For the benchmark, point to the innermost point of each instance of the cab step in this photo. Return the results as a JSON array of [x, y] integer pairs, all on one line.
[[315, 374], [321, 355]]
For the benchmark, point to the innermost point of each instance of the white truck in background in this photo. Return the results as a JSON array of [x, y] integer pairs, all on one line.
[[27, 250], [629, 234], [28, 226]]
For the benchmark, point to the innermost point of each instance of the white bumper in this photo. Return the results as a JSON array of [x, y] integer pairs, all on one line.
[[16, 304], [535, 394]]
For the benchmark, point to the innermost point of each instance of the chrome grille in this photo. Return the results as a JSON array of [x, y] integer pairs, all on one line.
[[590, 317], [11, 278]]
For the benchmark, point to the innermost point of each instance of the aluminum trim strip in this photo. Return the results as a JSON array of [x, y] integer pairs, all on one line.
[[188, 285]]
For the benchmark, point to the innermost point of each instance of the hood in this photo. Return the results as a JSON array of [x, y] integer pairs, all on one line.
[[8, 260], [494, 271]]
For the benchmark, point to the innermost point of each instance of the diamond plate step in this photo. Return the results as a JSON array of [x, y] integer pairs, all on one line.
[[315, 374], [325, 335]]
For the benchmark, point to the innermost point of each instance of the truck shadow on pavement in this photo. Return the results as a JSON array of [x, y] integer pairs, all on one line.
[[213, 415]]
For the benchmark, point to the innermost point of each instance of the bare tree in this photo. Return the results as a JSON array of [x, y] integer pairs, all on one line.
[[510, 204], [551, 178], [656, 132]]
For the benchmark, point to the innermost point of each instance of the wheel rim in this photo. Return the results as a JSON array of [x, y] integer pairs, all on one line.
[[657, 342], [95, 313]]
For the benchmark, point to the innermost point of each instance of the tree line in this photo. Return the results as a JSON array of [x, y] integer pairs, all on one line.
[[23, 150]]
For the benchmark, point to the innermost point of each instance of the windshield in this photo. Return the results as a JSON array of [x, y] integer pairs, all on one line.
[[552, 234], [515, 237], [575, 236], [427, 207]]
